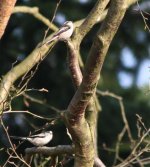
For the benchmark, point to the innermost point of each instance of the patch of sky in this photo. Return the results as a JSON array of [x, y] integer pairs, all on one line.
[[60, 18], [83, 1], [127, 58], [144, 73], [125, 79], [21, 57], [18, 32], [140, 36], [19, 119], [129, 61], [145, 5]]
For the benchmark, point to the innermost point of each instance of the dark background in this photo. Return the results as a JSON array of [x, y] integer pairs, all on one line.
[[120, 74]]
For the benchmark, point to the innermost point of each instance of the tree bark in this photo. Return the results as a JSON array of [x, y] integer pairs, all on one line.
[[75, 115], [6, 8]]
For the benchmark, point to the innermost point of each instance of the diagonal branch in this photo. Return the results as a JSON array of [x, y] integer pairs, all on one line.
[[24, 67], [34, 11], [78, 35], [90, 20]]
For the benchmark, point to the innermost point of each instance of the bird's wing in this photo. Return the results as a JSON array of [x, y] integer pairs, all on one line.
[[41, 135], [61, 30], [56, 35]]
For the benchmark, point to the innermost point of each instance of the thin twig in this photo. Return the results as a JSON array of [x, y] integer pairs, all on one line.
[[12, 146], [119, 98], [41, 102], [28, 112], [120, 136], [144, 18], [54, 15], [135, 154]]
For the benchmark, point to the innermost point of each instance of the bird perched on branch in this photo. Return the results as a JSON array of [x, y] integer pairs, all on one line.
[[64, 33], [39, 139]]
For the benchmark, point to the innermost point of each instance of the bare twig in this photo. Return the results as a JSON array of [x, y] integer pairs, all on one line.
[[56, 8], [141, 122], [119, 98], [120, 136], [54, 15], [41, 102], [54, 161], [12, 146], [28, 112], [125, 121], [144, 18], [136, 152]]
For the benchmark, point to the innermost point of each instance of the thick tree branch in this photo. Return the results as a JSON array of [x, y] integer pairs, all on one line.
[[56, 151], [96, 14], [77, 125], [96, 58], [80, 32], [62, 149], [83, 26], [26, 65], [73, 63], [90, 21], [6, 8]]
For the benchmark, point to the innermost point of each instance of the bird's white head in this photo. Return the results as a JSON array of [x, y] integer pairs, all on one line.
[[49, 132], [69, 24]]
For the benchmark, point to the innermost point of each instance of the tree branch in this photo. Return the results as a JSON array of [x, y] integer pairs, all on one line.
[[95, 59], [75, 119], [90, 21], [73, 64], [34, 11], [55, 151], [16, 72], [61, 149]]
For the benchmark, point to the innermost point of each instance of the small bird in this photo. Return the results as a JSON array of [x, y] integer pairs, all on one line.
[[64, 33], [39, 139]]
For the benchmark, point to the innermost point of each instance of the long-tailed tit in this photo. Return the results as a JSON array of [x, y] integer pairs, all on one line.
[[62, 34], [39, 139]]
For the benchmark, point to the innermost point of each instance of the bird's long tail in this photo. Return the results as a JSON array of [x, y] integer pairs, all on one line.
[[18, 138], [52, 39], [48, 41]]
